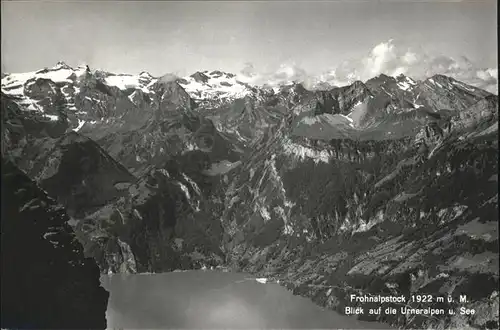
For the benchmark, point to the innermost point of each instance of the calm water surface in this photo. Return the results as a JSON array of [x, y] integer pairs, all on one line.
[[213, 300]]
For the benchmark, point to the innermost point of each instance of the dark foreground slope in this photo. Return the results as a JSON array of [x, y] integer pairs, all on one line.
[[46, 281]]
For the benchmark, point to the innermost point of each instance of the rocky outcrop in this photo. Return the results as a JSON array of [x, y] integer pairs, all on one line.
[[343, 99], [171, 97], [200, 77], [20, 127], [166, 221], [442, 92], [47, 283]]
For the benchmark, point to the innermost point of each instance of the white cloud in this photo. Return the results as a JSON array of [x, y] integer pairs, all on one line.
[[388, 59], [410, 58], [493, 72], [248, 70], [488, 74], [385, 57], [285, 74], [381, 59], [399, 70]]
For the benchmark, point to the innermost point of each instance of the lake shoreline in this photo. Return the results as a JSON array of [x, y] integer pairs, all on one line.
[[237, 292]]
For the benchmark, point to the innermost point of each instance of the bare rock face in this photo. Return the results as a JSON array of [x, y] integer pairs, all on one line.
[[40, 89], [447, 93], [343, 99], [171, 97], [47, 283], [200, 77], [162, 224]]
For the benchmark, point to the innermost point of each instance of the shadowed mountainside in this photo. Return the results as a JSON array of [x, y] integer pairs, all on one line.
[[47, 283]]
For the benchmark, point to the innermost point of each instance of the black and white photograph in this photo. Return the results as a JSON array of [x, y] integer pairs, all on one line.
[[277, 164]]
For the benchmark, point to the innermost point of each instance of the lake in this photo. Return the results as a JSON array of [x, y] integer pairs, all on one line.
[[213, 300]]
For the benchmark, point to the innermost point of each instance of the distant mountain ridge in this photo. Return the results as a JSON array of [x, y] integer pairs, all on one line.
[[211, 88]]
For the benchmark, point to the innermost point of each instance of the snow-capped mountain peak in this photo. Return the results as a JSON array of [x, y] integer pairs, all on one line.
[[62, 65], [214, 88], [145, 74], [214, 85], [13, 84]]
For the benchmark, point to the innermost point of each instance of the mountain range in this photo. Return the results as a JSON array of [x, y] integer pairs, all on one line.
[[388, 186]]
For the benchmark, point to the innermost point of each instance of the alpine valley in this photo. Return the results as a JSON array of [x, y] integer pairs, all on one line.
[[386, 187]]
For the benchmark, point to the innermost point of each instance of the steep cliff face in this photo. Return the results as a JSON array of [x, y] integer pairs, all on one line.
[[21, 127], [47, 283], [342, 100], [447, 93], [168, 220]]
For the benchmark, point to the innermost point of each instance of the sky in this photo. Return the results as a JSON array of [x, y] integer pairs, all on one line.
[[261, 40]]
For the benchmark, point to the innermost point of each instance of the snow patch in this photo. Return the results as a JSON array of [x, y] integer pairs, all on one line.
[[51, 117], [49, 234], [57, 75], [14, 90], [366, 226], [185, 190], [357, 104], [61, 75], [403, 85], [351, 121], [128, 81], [80, 125], [387, 92], [435, 83], [192, 183], [16, 79], [288, 230], [410, 81], [132, 96], [461, 85], [265, 214], [32, 107]]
